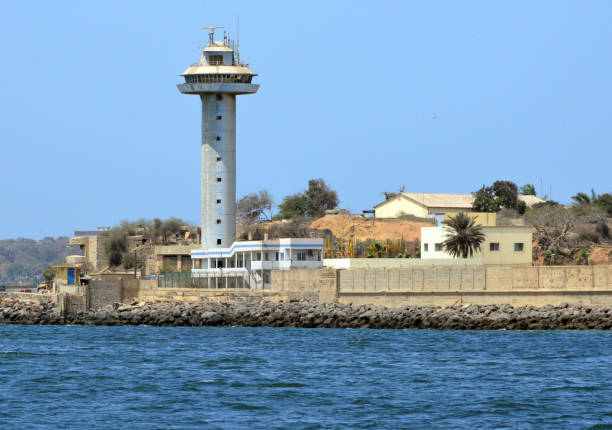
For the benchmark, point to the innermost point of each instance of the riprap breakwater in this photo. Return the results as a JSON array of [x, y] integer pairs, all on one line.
[[257, 312]]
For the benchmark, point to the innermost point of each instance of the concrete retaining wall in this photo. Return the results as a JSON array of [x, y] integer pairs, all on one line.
[[296, 284], [135, 289], [28, 297], [442, 286], [103, 293]]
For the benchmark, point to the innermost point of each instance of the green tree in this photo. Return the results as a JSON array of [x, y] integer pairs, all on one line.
[[171, 226], [313, 202], [501, 194], [116, 246], [484, 200], [295, 205], [49, 274], [528, 190], [320, 198], [255, 206], [584, 199], [604, 201], [463, 236], [506, 194]]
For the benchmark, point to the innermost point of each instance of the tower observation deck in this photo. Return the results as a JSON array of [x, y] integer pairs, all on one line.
[[217, 78]]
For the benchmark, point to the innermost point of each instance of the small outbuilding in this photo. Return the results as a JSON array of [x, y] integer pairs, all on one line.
[[69, 274]]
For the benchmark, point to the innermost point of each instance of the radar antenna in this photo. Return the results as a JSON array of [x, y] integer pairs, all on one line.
[[211, 34]]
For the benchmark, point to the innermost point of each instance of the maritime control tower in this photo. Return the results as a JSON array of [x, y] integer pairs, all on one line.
[[218, 78]]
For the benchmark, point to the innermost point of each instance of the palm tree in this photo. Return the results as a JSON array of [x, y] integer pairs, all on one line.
[[463, 236], [585, 199]]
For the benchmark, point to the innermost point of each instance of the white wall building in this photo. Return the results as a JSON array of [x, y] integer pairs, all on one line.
[[502, 245], [248, 264]]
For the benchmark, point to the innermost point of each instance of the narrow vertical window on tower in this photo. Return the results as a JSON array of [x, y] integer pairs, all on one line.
[[219, 97]]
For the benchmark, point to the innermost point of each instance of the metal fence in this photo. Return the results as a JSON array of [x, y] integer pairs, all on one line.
[[185, 280], [181, 280]]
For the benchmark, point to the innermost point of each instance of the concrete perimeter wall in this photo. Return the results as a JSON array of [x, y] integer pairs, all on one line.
[[391, 287], [103, 293], [28, 297], [442, 286], [297, 284]]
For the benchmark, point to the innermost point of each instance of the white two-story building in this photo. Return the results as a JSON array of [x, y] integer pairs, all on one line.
[[248, 264]]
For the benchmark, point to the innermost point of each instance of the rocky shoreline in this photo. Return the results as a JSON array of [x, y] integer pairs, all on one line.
[[255, 313]]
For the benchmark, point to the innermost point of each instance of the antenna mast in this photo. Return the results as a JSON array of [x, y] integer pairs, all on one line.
[[211, 34], [238, 38]]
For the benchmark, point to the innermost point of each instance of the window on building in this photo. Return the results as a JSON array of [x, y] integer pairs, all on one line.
[[219, 117], [266, 256], [438, 247], [518, 246], [218, 201], [494, 246], [258, 256], [215, 60], [218, 158], [218, 179], [219, 96], [218, 221], [218, 138], [301, 256], [218, 241], [277, 256], [425, 247]]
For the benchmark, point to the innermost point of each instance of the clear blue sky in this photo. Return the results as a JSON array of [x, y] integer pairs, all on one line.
[[438, 96]]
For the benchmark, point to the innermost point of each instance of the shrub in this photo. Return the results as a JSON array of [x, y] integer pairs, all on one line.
[[582, 257], [603, 229]]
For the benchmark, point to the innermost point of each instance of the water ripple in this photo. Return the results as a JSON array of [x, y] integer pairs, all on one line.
[[268, 378]]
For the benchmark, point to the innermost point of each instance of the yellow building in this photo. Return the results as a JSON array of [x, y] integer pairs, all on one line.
[[69, 274], [432, 205], [502, 245], [485, 219]]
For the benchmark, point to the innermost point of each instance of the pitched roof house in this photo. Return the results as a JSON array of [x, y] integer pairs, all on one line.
[[425, 205]]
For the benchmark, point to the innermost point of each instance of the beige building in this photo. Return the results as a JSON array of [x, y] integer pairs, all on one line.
[[172, 257], [432, 205], [92, 244], [68, 274], [502, 245], [485, 219]]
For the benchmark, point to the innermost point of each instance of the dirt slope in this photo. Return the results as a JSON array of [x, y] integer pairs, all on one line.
[[354, 226]]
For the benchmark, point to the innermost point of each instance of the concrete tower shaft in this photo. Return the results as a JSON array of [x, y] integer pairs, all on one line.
[[217, 79], [218, 170]]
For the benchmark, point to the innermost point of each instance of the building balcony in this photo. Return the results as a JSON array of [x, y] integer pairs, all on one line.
[[217, 88]]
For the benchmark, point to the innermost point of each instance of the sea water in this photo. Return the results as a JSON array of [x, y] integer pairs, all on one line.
[[180, 378]]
